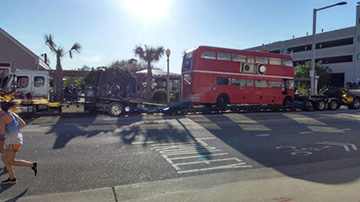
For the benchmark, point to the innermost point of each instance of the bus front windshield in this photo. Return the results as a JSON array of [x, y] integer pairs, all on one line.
[[187, 61]]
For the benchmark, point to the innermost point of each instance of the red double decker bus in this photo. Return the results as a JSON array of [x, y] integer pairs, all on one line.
[[221, 76]]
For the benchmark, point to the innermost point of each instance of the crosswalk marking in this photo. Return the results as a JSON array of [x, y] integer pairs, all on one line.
[[188, 157]]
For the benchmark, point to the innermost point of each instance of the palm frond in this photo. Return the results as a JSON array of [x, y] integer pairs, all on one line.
[[139, 51], [60, 52], [76, 48], [49, 41]]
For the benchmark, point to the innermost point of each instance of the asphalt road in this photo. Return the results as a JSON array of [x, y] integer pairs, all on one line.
[[80, 153]]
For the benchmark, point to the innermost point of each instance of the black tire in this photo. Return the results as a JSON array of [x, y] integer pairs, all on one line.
[[333, 105], [355, 104], [115, 109], [308, 106], [222, 101], [320, 105], [287, 101]]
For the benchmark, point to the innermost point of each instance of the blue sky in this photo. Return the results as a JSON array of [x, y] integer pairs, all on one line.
[[108, 30]]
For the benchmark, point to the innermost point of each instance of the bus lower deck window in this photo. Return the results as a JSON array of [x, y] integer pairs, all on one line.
[[222, 81], [250, 83], [238, 82], [261, 83]]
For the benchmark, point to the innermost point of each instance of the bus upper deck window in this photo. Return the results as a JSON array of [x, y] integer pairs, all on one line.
[[208, 55], [186, 64], [189, 55], [239, 58], [224, 56], [288, 63], [275, 61], [250, 59], [261, 60]]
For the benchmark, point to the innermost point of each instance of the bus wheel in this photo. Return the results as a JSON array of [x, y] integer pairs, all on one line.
[[222, 101], [115, 109], [287, 101], [320, 105], [333, 105]]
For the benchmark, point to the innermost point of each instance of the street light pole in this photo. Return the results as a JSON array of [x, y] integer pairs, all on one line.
[[312, 71], [168, 77]]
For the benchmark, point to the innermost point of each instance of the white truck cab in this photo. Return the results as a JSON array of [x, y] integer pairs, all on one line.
[[31, 83]]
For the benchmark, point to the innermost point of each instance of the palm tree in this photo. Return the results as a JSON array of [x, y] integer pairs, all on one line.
[[59, 53], [149, 55]]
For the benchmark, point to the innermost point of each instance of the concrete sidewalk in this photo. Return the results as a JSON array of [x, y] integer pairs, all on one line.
[[339, 183]]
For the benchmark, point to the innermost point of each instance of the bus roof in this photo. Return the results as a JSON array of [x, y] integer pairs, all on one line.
[[255, 53]]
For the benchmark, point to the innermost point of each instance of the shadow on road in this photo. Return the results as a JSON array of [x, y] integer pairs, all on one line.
[[169, 131], [65, 130], [277, 144], [16, 198], [271, 142], [4, 187]]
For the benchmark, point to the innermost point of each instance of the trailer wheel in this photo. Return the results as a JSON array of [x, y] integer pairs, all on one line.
[[308, 106], [320, 105], [115, 109], [355, 104], [333, 105], [222, 101]]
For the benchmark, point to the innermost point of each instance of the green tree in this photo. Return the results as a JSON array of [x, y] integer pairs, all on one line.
[[91, 78], [322, 71], [130, 65], [148, 55], [59, 53], [118, 81]]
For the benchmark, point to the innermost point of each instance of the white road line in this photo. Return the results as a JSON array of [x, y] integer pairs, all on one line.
[[190, 151], [205, 138], [195, 152], [177, 143], [346, 129], [176, 146], [147, 142], [239, 165], [209, 161], [263, 135], [306, 132], [170, 160]]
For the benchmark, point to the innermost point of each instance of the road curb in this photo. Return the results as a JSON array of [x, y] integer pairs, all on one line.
[[93, 195]]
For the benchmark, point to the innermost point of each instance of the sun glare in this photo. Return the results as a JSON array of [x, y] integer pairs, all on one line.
[[147, 9]]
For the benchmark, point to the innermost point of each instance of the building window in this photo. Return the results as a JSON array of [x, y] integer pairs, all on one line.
[[358, 38], [358, 56]]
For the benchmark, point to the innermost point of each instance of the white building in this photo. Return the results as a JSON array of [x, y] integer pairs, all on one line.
[[338, 49]]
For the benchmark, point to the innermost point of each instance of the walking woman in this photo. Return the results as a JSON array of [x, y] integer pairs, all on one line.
[[10, 125]]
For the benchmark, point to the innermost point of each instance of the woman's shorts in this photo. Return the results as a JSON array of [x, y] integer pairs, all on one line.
[[13, 147]]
